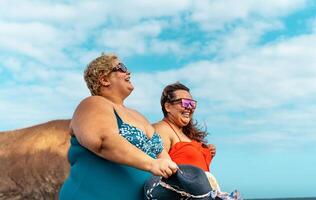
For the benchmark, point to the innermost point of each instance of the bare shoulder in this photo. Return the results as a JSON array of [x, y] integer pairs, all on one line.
[[95, 101], [161, 128], [160, 125], [90, 112], [93, 104]]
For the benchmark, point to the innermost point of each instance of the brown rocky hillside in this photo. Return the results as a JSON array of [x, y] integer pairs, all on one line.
[[33, 161]]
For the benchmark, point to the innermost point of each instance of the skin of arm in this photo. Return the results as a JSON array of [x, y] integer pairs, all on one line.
[[164, 132], [164, 154], [95, 126]]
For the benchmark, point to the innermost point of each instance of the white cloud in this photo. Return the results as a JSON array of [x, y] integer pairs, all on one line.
[[240, 40], [45, 37], [137, 10], [12, 64], [217, 15], [131, 40], [55, 33], [37, 41], [262, 77], [272, 86], [265, 77], [52, 98], [72, 14]]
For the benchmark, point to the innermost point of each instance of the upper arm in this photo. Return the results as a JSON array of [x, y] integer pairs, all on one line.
[[93, 122], [165, 136]]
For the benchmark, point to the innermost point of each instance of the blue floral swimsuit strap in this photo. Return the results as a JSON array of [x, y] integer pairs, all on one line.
[[118, 119], [151, 146]]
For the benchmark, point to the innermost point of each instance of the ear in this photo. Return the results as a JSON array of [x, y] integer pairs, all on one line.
[[104, 80], [167, 106]]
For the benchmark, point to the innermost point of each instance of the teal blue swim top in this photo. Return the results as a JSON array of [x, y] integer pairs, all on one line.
[[151, 146], [93, 177]]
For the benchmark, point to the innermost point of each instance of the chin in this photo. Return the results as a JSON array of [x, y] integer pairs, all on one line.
[[131, 87], [129, 90], [185, 122]]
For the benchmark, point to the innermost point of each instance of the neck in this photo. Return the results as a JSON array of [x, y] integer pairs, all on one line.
[[113, 96], [114, 99], [171, 122]]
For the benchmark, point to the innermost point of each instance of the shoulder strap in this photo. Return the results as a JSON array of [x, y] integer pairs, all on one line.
[[172, 129], [118, 118]]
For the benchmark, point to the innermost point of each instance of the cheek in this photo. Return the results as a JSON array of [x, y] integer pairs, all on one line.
[[171, 110], [178, 111]]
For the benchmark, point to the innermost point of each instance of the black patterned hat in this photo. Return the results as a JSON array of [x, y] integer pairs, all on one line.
[[189, 182]]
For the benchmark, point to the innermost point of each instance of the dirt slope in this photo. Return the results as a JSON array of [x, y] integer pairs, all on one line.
[[33, 161]]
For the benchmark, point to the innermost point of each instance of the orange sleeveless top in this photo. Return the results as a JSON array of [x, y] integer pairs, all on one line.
[[192, 153]]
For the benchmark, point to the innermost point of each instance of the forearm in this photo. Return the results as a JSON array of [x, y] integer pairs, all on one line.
[[119, 150], [164, 154]]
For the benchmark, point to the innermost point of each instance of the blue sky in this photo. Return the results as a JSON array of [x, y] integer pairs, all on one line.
[[250, 65]]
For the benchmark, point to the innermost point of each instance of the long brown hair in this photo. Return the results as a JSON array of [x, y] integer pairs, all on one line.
[[191, 130]]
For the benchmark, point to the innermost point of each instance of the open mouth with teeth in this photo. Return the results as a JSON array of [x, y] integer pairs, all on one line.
[[186, 114]]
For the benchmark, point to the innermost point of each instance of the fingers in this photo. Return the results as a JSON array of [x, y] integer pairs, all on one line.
[[174, 170], [211, 146], [170, 168], [163, 167], [173, 166], [163, 174], [213, 152], [168, 172], [212, 149]]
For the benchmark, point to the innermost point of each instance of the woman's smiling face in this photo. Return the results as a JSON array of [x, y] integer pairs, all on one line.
[[178, 114]]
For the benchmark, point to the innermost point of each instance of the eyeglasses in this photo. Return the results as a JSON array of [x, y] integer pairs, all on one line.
[[185, 103], [120, 68]]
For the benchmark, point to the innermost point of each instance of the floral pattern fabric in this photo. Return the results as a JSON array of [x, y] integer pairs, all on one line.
[[151, 146]]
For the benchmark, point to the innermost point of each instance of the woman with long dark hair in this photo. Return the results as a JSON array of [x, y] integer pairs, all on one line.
[[187, 146], [182, 138]]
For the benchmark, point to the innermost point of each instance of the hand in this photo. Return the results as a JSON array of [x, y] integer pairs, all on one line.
[[163, 167], [212, 149]]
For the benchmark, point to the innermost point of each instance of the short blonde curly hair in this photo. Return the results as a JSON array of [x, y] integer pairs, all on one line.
[[101, 65]]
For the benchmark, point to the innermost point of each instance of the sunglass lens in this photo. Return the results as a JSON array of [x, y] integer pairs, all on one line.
[[193, 104], [121, 67], [187, 103]]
